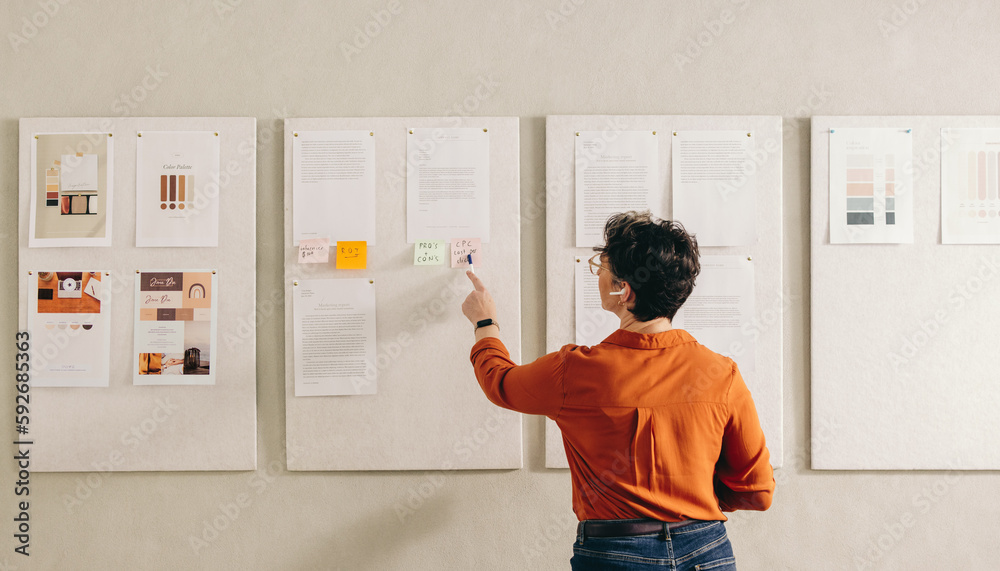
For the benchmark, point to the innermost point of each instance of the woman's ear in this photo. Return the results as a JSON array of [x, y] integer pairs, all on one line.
[[625, 291]]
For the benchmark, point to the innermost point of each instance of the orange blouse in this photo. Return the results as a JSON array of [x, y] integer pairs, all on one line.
[[655, 425]]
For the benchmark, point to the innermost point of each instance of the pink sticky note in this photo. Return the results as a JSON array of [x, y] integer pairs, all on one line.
[[314, 251], [461, 248]]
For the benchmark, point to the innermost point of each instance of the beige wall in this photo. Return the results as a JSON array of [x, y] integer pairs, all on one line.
[[517, 58]]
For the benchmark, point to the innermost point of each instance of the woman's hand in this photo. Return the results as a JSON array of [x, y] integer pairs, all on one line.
[[479, 305]]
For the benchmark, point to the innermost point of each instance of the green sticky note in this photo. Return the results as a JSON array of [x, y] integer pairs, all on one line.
[[429, 253]]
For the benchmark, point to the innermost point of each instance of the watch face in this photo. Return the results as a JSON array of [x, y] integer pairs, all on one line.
[[484, 323]]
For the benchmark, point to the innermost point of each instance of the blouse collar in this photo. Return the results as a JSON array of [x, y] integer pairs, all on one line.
[[660, 340]]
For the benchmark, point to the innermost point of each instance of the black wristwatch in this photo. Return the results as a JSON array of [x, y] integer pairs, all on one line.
[[486, 323]]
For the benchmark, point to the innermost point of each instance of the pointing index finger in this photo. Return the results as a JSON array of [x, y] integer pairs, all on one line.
[[476, 282]]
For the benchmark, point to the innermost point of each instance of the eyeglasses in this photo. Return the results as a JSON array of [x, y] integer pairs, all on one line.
[[595, 267]]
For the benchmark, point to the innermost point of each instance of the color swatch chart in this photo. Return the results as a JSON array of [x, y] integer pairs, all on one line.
[[981, 195], [970, 185], [71, 184], [871, 189], [52, 186], [175, 191]]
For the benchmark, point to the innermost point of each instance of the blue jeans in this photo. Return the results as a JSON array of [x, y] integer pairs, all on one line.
[[697, 546]]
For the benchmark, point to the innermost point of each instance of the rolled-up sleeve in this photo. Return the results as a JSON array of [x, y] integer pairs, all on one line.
[[534, 388], [744, 479]]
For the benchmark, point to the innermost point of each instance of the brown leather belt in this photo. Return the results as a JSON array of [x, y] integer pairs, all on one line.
[[627, 527]]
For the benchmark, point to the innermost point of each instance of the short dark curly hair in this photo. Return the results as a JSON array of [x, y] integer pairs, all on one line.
[[657, 258]]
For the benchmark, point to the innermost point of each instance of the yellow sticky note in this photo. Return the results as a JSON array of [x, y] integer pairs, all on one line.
[[352, 255]]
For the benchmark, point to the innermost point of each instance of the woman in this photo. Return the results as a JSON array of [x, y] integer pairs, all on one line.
[[660, 432]]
